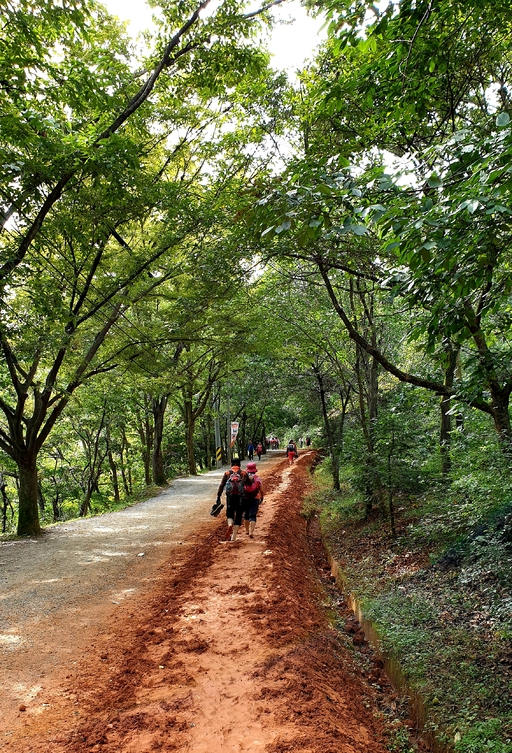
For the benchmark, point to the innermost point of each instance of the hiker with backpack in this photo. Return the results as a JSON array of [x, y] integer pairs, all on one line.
[[253, 497], [234, 482], [259, 450], [291, 451]]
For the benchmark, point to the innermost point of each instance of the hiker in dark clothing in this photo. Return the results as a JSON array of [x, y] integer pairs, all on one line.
[[291, 451], [233, 481]]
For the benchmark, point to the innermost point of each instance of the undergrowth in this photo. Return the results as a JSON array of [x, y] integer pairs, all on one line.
[[439, 594]]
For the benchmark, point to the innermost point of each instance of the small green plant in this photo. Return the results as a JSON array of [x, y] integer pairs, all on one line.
[[309, 507], [399, 741], [484, 737]]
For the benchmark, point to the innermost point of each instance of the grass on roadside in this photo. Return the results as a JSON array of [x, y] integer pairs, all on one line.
[[440, 596]]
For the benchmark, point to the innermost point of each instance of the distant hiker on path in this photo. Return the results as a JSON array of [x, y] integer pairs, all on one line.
[[250, 451], [253, 497], [233, 481], [291, 451], [259, 450]]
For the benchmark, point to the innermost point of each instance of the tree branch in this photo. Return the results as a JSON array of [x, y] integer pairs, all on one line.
[[134, 104], [437, 387], [262, 9]]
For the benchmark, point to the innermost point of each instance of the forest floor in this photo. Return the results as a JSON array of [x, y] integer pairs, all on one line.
[[243, 646]]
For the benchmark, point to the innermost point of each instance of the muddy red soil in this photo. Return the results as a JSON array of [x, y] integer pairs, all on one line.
[[232, 650]]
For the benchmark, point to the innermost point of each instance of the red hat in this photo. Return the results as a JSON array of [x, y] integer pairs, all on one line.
[[251, 468]]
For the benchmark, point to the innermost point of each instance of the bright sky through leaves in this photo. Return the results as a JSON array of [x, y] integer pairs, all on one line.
[[292, 42]]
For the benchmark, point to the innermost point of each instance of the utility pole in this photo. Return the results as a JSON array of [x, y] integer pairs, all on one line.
[[229, 434]]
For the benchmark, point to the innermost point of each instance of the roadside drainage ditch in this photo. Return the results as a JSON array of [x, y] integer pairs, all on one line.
[[392, 668]]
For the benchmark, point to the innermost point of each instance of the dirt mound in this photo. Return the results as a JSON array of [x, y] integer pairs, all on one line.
[[231, 651]]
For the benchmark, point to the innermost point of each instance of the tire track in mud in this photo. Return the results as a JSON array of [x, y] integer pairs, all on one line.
[[231, 651]]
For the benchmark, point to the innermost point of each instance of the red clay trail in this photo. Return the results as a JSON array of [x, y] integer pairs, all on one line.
[[231, 650]]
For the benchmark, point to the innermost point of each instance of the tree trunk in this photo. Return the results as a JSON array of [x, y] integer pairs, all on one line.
[[28, 513], [445, 436], [57, 514], [501, 416], [124, 463], [190, 423], [344, 405], [5, 503], [242, 434], [40, 498], [113, 472], [113, 466], [373, 485], [446, 418], [159, 406], [146, 434], [86, 502], [335, 462]]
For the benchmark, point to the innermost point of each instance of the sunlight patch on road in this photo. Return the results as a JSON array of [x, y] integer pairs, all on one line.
[[25, 692], [10, 640], [125, 594], [107, 553]]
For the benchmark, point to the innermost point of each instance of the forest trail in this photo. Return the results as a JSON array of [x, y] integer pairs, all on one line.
[[227, 648]]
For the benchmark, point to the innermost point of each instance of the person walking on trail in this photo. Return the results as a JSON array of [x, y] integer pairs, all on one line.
[[233, 482], [250, 451], [259, 450], [253, 497], [291, 451]]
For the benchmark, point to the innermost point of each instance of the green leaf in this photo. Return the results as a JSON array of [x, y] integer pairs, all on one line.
[[358, 229], [325, 189], [286, 225], [503, 119], [434, 181]]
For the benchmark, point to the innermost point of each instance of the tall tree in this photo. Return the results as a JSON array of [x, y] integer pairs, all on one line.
[[82, 182]]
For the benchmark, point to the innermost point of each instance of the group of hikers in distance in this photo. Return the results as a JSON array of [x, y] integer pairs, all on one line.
[[269, 443], [252, 448]]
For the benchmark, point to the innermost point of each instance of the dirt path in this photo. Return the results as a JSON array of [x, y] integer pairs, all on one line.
[[227, 648]]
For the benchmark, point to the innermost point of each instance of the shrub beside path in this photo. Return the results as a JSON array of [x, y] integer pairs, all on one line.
[[202, 646]]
